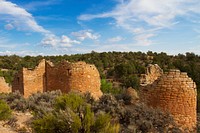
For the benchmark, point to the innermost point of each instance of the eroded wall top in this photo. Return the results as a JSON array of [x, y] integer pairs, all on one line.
[[153, 72], [173, 92]]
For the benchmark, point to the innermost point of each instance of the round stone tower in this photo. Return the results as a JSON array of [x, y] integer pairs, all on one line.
[[173, 92], [78, 77], [85, 78]]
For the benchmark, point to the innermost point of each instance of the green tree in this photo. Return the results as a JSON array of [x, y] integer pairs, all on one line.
[[131, 81], [106, 86]]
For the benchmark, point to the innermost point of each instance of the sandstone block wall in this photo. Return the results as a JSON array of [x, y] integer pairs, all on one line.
[[85, 78], [17, 84], [78, 76], [30, 81], [57, 77], [34, 80], [65, 76], [173, 92], [4, 87], [153, 72]]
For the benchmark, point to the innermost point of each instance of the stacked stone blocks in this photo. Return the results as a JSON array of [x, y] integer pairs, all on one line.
[[173, 92], [65, 76]]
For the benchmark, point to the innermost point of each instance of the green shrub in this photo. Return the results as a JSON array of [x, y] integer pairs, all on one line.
[[42, 103], [131, 81], [107, 87], [101, 121], [146, 119], [108, 104], [57, 122], [126, 98], [15, 100], [72, 113], [5, 111], [88, 119], [103, 124], [71, 100]]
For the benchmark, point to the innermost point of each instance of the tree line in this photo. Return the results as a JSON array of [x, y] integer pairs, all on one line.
[[122, 67]]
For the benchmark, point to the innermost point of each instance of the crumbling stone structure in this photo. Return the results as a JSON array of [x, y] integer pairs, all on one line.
[[4, 87], [65, 76], [28, 81], [153, 72], [172, 92]]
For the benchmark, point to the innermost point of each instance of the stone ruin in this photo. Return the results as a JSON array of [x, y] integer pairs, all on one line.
[[152, 73], [4, 87], [172, 92], [66, 76]]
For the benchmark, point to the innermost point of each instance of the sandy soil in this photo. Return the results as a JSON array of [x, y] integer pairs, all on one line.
[[21, 123]]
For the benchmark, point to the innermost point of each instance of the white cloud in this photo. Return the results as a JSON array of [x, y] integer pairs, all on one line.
[[20, 18], [67, 42], [63, 41], [85, 34], [147, 16], [153, 12], [9, 27], [115, 39], [21, 53], [143, 39], [38, 4]]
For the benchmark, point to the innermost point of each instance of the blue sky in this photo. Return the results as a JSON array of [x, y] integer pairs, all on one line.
[[57, 27]]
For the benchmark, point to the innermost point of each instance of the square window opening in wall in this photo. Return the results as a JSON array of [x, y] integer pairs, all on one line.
[[18, 79], [69, 72]]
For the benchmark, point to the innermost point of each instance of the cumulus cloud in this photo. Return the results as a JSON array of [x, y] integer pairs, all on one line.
[[20, 18], [153, 12], [63, 41], [143, 39], [115, 39], [141, 16], [85, 34]]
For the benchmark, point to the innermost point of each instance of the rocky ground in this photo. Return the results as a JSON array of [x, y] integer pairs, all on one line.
[[18, 124]]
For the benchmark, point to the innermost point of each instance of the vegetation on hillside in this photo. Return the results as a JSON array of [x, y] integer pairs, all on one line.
[[60, 113], [123, 68]]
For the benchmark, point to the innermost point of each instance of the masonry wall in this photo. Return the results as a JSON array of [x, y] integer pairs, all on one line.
[[153, 72], [65, 76], [85, 78], [30, 81], [173, 92], [57, 77], [78, 76], [4, 87], [17, 84]]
